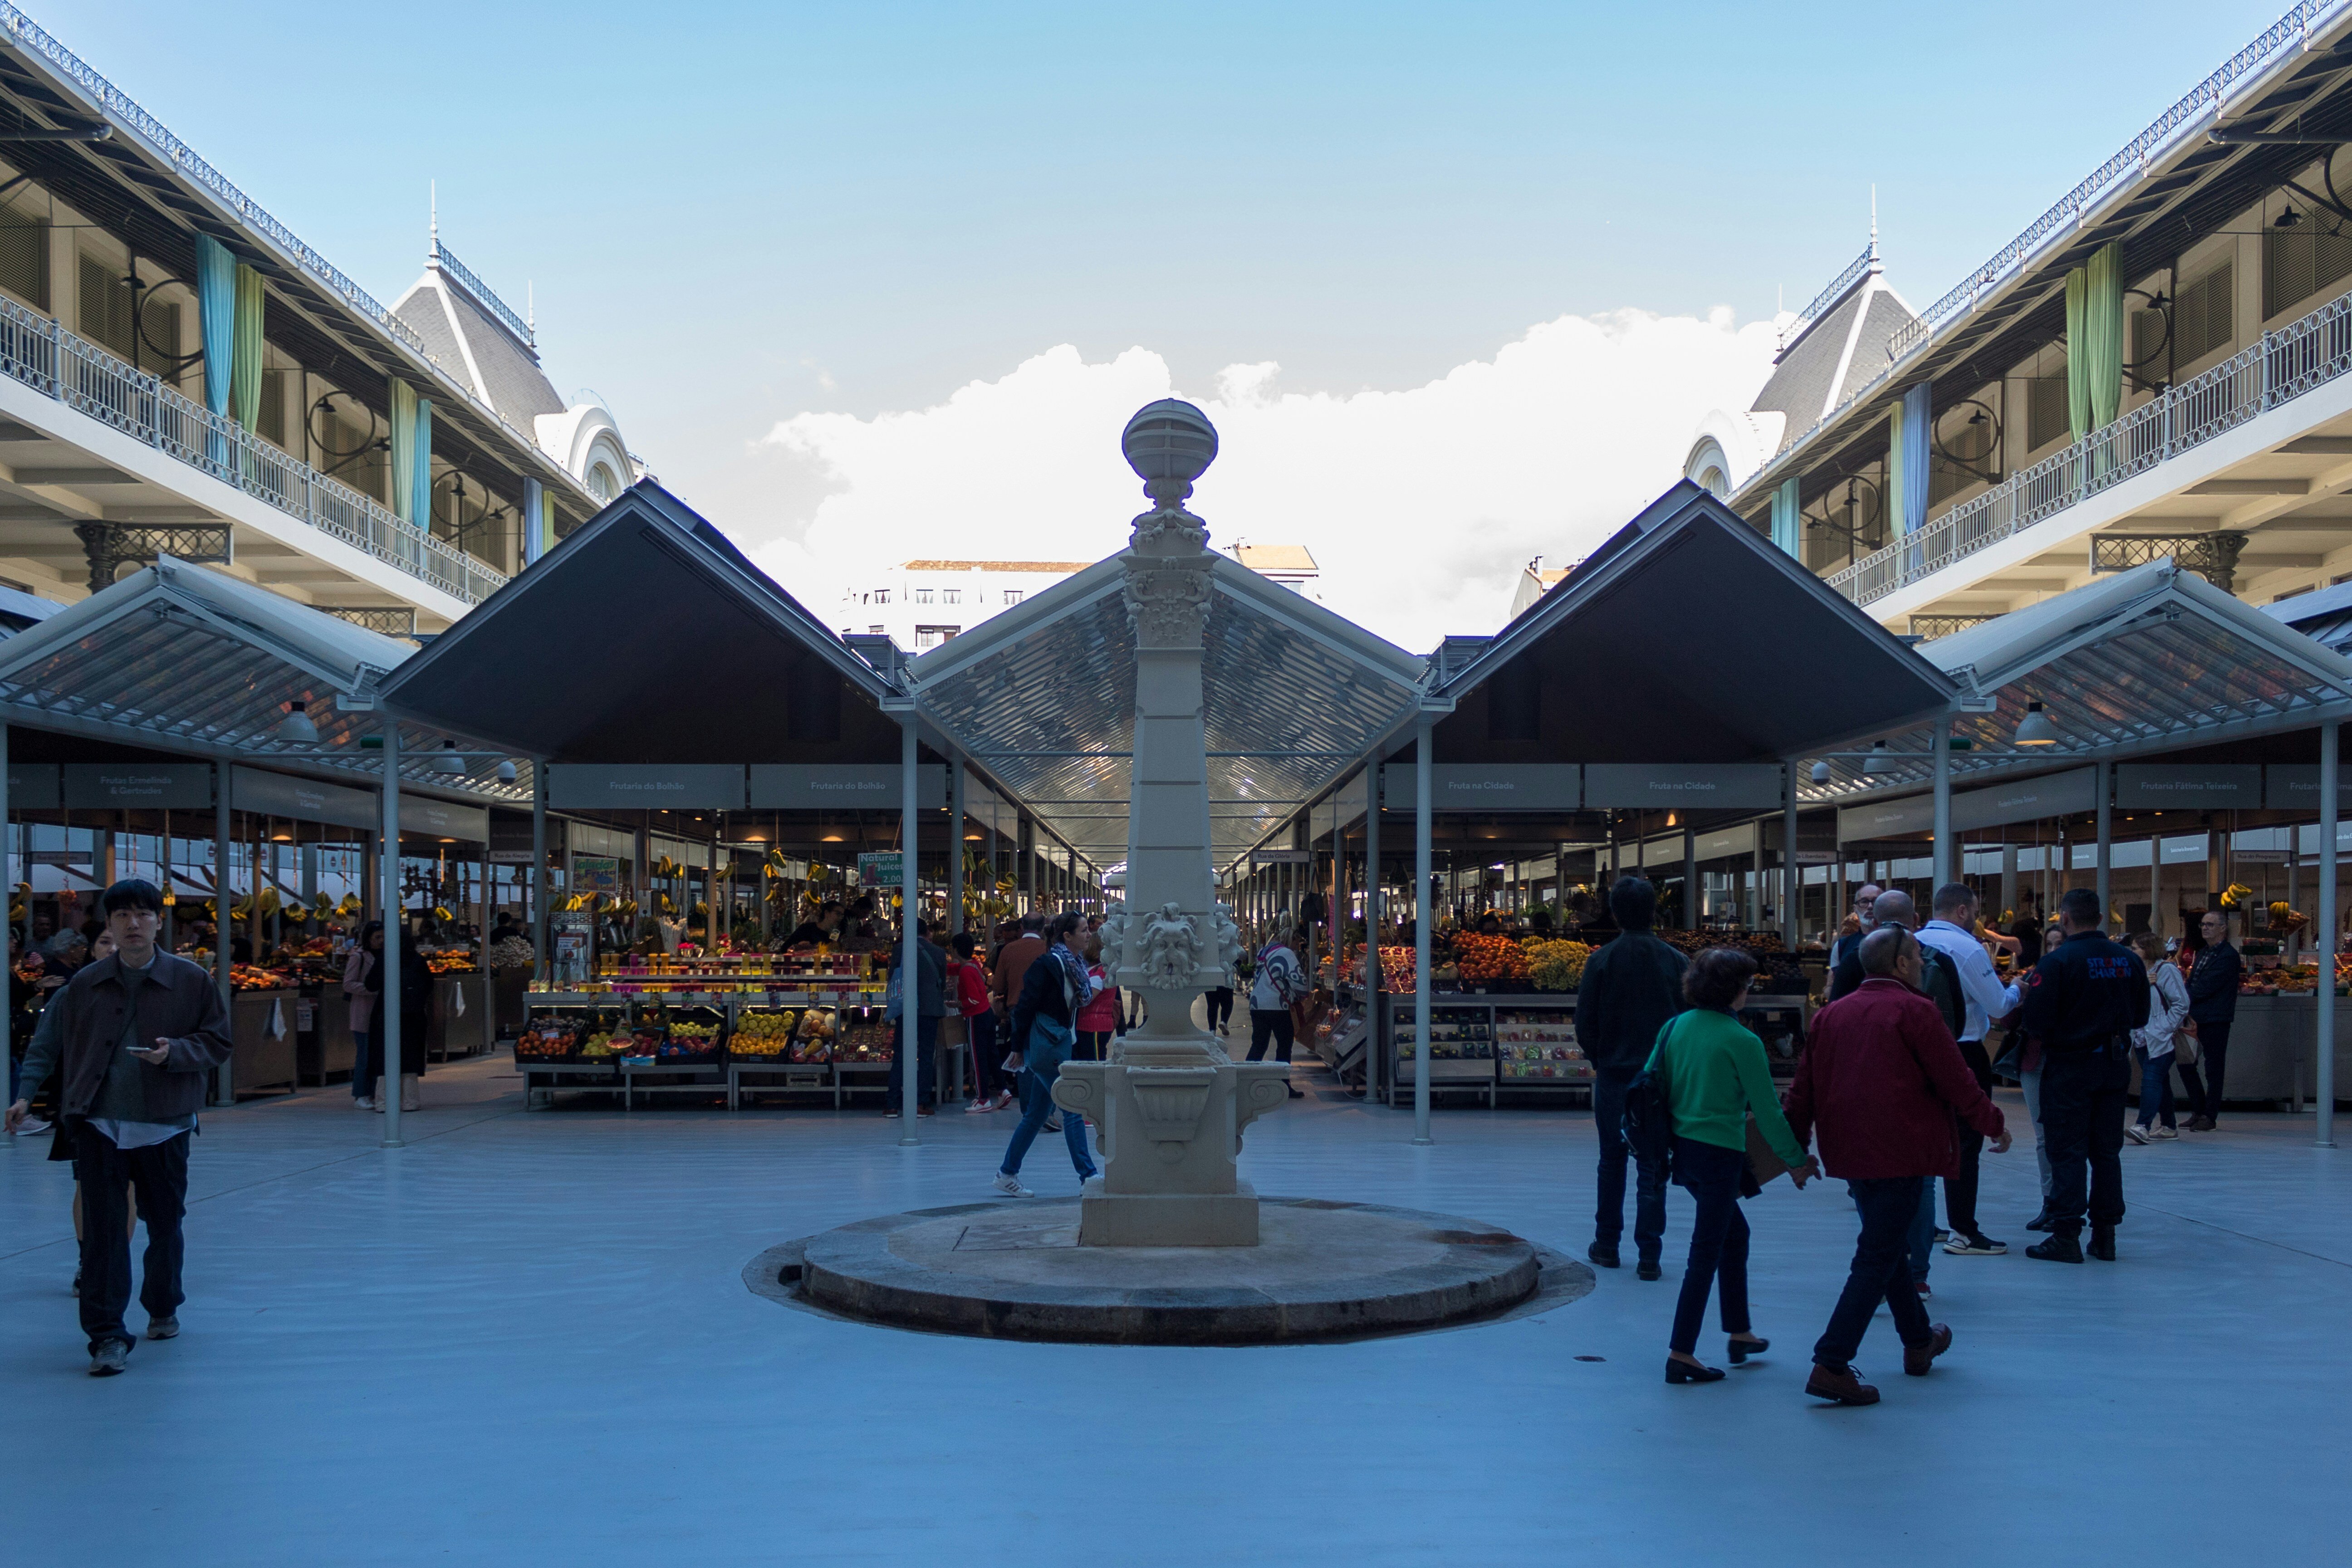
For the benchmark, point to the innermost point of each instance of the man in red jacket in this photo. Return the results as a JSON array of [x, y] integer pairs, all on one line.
[[1881, 1077]]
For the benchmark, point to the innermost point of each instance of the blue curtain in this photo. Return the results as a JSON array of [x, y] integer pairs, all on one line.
[[1918, 421], [1788, 524], [534, 522], [216, 313], [411, 454]]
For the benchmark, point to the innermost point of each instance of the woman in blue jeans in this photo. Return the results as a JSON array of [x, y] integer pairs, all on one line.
[[1715, 1072], [1052, 992]]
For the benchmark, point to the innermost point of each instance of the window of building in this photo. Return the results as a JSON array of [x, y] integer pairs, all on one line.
[[271, 426], [881, 595], [876, 631], [105, 300], [25, 259], [922, 595], [1012, 595], [931, 636], [2299, 262], [951, 595], [2045, 411], [2201, 317]]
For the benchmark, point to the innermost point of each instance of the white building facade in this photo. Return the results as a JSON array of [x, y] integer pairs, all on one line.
[[921, 604]]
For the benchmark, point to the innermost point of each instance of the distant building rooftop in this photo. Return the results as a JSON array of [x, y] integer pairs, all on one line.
[[1274, 557], [1064, 567]]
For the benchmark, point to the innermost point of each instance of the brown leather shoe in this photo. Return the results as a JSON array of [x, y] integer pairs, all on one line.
[[1839, 1386], [1917, 1359]]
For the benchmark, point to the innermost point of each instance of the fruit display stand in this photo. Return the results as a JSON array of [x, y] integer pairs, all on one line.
[[2273, 1049], [1536, 1050], [779, 1051], [861, 1051], [1462, 1048], [568, 1045]]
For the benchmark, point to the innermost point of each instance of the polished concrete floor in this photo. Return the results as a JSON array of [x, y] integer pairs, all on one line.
[[525, 1339]]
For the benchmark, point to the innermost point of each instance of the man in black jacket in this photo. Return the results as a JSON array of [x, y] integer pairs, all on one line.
[[141, 1032], [2213, 1008], [1630, 987], [1939, 982], [2081, 1004]]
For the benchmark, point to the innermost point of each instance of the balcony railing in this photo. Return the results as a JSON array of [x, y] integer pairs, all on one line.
[[2286, 365], [44, 356]]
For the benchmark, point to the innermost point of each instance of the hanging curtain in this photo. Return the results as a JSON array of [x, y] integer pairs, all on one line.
[[534, 522], [245, 364], [2078, 359], [2103, 333], [1897, 452], [217, 316], [404, 405], [420, 456], [1918, 422], [1787, 525]]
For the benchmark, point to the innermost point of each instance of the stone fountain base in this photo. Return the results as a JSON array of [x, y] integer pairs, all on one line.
[[1015, 1270]]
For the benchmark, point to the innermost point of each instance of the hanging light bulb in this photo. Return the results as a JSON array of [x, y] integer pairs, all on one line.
[[1821, 772], [297, 726], [2035, 729], [506, 770], [1880, 758], [449, 761]]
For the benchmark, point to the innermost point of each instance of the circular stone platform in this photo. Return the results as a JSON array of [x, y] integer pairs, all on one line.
[[1015, 1270]]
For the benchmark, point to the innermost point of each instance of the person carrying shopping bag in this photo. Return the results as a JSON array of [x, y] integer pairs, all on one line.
[[1053, 991]]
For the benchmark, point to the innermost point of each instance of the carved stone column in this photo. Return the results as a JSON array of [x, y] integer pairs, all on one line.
[[1171, 1105]]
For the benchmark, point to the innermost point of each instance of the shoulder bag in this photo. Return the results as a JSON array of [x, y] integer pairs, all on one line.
[[1649, 1119]]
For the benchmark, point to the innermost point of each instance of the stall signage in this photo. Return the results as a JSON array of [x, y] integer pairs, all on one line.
[[281, 795], [1730, 841], [595, 874], [1886, 818], [1681, 786], [691, 786], [838, 786], [1343, 809], [1281, 856], [2295, 786], [2166, 786], [881, 868], [444, 819], [1489, 787], [2029, 800], [167, 786], [510, 839], [32, 787]]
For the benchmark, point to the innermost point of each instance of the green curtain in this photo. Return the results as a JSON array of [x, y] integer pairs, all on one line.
[[2095, 341], [1894, 463], [244, 364], [1788, 521]]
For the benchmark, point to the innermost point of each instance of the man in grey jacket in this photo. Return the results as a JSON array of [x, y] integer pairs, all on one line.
[[1630, 987], [142, 1031]]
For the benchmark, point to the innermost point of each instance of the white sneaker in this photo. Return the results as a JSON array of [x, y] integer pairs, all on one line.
[[2164, 1132], [2134, 1131], [362, 1103], [1010, 1186]]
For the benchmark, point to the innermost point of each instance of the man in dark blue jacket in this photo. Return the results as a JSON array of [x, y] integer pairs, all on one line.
[[2213, 1008], [2081, 1004], [1630, 987]]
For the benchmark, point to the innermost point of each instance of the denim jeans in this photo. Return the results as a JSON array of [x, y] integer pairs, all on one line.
[[107, 1175], [1889, 1206], [1650, 1183], [2213, 1045], [1270, 1023], [1718, 1244], [2083, 1118], [2029, 1079], [1037, 1096], [1960, 1189], [927, 1057], [2155, 1088], [1919, 1241], [362, 1064]]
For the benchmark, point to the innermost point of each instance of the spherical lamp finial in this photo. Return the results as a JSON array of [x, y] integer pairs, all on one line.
[[1169, 443]]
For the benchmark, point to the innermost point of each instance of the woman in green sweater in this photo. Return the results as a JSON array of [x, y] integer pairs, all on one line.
[[1715, 1072]]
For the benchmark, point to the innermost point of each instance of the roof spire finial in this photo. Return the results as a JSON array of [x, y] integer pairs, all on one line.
[[531, 306], [1874, 220], [433, 209]]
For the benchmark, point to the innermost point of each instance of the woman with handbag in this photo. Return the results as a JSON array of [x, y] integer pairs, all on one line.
[[1716, 1073], [2157, 1044], [1053, 991]]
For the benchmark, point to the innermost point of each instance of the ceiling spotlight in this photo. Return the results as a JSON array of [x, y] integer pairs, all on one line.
[[506, 770], [1822, 773], [449, 761], [297, 726], [2035, 729], [2287, 218], [1880, 758]]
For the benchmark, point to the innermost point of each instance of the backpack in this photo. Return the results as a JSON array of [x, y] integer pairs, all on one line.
[[1649, 1119]]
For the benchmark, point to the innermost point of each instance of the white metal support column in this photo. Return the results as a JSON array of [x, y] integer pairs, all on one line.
[[388, 1014], [540, 965], [955, 843], [225, 1091], [1788, 855], [1940, 872], [910, 970], [1694, 896], [2328, 768], [2106, 818], [1372, 930], [1424, 916]]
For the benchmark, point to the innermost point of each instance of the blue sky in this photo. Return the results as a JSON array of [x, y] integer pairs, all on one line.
[[736, 216]]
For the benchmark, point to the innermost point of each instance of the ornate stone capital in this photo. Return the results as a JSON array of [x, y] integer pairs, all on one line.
[[1168, 601], [1169, 1102]]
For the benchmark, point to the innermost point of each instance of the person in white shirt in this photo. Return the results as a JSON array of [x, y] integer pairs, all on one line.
[[1953, 933]]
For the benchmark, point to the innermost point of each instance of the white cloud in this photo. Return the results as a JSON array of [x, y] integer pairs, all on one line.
[[1421, 505]]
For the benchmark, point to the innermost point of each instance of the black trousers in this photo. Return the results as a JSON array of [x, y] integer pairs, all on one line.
[[1718, 1244], [1221, 1006], [2213, 1044], [2083, 1121], [1270, 1022], [1960, 1191], [1880, 1271], [1650, 1180], [159, 1172]]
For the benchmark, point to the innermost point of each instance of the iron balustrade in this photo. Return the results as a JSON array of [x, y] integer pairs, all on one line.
[[40, 354], [446, 260], [1855, 271], [2282, 366]]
